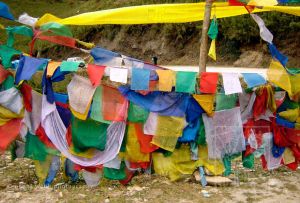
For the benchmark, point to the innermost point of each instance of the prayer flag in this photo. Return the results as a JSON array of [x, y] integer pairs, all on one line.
[[185, 81], [140, 79], [208, 82], [118, 75], [166, 80], [95, 74]]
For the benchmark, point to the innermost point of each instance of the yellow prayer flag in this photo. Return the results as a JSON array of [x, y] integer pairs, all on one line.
[[206, 101], [159, 13], [52, 66], [212, 50], [166, 80]]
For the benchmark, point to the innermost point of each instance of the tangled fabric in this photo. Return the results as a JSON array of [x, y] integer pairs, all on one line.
[[56, 132], [166, 104]]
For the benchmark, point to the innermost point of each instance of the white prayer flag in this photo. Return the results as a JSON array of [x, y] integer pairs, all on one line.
[[118, 75], [231, 83]]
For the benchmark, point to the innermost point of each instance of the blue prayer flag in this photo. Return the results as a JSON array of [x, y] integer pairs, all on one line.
[[140, 79], [253, 79]]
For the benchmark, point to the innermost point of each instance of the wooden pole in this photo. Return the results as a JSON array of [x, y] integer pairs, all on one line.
[[204, 37]]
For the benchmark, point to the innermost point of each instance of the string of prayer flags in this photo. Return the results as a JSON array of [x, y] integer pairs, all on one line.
[[277, 54], [166, 80], [69, 66], [140, 79], [212, 50], [253, 79], [208, 82], [28, 66], [95, 74], [231, 83], [185, 81], [118, 75]]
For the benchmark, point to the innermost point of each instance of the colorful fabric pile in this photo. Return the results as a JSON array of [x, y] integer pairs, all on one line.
[[127, 115]]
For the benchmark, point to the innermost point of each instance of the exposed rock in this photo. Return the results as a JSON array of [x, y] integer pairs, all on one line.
[[218, 181]]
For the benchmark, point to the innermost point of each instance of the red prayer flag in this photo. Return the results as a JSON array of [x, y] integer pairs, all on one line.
[[145, 140], [235, 3], [114, 105], [95, 74], [9, 132], [3, 74], [208, 82], [61, 40], [27, 96], [41, 134]]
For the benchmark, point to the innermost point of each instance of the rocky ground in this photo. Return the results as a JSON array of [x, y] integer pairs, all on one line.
[[18, 183]]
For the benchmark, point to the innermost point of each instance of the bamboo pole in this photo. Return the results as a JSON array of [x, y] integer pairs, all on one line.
[[204, 37]]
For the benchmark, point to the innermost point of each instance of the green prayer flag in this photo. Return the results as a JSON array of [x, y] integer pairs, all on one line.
[[225, 101], [213, 29], [35, 149], [227, 163], [137, 113], [88, 134], [69, 66], [201, 139], [293, 71], [6, 54], [19, 30], [115, 174], [96, 112], [57, 29], [8, 83], [124, 141], [248, 161], [185, 81]]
